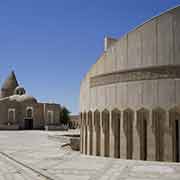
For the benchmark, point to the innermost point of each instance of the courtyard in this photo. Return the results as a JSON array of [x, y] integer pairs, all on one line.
[[39, 155]]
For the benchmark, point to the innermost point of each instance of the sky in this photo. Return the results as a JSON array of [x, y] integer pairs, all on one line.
[[51, 44]]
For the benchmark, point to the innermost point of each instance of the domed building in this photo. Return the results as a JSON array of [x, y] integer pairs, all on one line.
[[130, 98], [19, 110]]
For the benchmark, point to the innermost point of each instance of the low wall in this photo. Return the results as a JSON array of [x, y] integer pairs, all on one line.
[[9, 127], [75, 144], [55, 128]]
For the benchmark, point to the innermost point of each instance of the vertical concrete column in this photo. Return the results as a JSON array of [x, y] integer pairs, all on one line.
[[151, 145], [91, 135], [97, 139], [84, 133], [81, 134], [94, 134], [105, 138], [83, 130], [168, 144], [112, 134], [107, 134], [102, 134], [86, 140], [123, 142], [136, 138], [115, 133], [119, 136], [88, 133]]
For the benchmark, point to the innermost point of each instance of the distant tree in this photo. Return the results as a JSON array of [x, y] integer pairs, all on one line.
[[65, 115]]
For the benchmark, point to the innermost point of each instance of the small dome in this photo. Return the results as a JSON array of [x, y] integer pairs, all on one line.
[[23, 98], [19, 90]]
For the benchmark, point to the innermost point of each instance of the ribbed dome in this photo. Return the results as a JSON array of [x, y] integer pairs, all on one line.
[[9, 85], [10, 82]]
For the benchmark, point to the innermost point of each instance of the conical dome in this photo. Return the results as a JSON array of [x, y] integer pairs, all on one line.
[[9, 85]]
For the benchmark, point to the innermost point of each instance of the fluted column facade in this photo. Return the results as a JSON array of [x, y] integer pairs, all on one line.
[[142, 134]]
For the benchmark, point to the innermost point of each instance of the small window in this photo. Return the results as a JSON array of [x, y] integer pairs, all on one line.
[[50, 117], [11, 115]]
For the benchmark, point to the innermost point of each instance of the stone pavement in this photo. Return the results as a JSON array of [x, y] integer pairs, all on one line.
[[11, 170], [38, 155]]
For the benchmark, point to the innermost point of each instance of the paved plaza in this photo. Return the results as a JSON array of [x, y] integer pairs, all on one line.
[[38, 155]]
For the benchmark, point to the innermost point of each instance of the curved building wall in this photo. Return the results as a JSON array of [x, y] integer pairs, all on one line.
[[138, 74]]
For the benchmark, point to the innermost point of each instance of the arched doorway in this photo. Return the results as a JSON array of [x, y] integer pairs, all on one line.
[[28, 120], [11, 116]]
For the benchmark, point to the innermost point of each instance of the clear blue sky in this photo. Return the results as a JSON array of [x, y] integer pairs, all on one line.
[[51, 44]]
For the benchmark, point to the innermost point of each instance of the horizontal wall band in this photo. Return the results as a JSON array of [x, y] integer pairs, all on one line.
[[138, 74]]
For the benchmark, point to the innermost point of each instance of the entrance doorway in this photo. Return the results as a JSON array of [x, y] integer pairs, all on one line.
[[177, 141], [28, 124]]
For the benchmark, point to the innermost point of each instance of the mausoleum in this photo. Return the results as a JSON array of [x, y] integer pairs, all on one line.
[[130, 98]]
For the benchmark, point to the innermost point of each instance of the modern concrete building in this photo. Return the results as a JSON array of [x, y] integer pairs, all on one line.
[[130, 98], [21, 111]]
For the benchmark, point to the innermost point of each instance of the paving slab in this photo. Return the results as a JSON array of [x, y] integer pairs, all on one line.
[[39, 155]]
